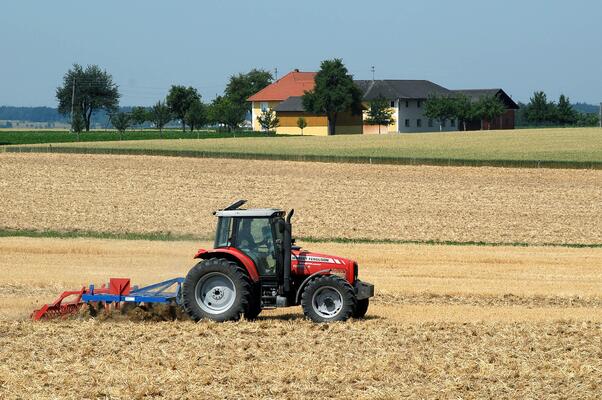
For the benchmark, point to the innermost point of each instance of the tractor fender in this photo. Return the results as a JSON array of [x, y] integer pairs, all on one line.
[[231, 254], [306, 281]]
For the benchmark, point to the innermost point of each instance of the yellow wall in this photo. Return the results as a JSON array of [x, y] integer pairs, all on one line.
[[317, 125], [392, 127], [256, 111]]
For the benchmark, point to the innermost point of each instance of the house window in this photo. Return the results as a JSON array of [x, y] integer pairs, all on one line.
[[452, 123], [430, 122], [393, 103], [263, 106], [407, 123], [407, 104], [419, 123], [418, 104]]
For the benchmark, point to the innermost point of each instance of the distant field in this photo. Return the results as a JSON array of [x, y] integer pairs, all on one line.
[[20, 136], [528, 148], [140, 194]]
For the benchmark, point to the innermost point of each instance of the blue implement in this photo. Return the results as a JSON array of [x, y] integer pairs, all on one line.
[[163, 292]]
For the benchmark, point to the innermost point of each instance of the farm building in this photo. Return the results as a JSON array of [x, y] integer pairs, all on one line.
[[406, 98], [284, 97], [290, 110], [506, 121], [294, 83]]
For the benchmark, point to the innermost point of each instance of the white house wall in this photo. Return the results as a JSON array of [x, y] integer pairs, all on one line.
[[414, 113]]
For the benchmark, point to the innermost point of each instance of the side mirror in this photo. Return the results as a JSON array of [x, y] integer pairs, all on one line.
[[293, 241]]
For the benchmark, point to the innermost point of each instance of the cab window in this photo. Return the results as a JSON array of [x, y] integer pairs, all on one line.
[[255, 238]]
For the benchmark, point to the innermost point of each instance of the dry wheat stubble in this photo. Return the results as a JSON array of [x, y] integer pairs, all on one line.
[[152, 194]]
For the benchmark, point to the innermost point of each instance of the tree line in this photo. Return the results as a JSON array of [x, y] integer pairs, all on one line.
[[542, 112], [87, 90]]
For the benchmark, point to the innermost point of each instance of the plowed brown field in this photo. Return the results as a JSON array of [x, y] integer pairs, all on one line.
[[152, 194], [447, 322]]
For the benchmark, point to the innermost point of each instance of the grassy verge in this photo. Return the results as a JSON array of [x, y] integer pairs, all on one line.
[[168, 236], [40, 136], [451, 162], [530, 148]]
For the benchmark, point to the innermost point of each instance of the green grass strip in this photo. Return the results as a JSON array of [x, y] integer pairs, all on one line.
[[168, 236], [455, 162]]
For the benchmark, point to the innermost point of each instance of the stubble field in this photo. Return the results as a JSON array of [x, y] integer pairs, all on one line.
[[461, 322], [333, 201], [446, 322]]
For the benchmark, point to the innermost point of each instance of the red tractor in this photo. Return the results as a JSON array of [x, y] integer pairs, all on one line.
[[254, 265]]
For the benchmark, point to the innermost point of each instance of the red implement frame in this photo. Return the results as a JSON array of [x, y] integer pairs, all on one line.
[[60, 307]]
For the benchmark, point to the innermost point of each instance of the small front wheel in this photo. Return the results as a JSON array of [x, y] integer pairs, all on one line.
[[328, 298]]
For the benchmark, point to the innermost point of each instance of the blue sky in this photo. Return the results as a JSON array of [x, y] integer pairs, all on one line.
[[521, 46]]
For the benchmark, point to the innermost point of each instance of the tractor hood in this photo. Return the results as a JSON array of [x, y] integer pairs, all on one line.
[[305, 262]]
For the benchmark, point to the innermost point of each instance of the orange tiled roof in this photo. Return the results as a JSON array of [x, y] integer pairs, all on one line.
[[292, 84]]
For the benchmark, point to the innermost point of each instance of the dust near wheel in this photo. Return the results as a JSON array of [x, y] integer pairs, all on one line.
[[328, 298], [216, 289]]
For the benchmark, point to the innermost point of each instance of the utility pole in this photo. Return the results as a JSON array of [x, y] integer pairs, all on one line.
[[72, 104], [600, 115], [276, 73], [372, 72]]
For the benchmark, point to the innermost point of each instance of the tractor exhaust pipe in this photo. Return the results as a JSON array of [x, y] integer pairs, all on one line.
[[286, 249]]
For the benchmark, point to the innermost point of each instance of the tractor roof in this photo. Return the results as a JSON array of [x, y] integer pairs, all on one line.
[[252, 212]]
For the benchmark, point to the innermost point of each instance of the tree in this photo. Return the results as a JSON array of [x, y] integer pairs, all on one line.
[[489, 108], [121, 121], [242, 86], [196, 115], [301, 124], [565, 114], [179, 100], [441, 108], [160, 115], [539, 110], [334, 92], [380, 113], [588, 119], [140, 115], [94, 90], [268, 120], [224, 111], [464, 109]]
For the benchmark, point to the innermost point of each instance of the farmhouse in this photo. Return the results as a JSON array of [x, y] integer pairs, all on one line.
[[284, 97], [406, 98], [506, 121], [294, 83]]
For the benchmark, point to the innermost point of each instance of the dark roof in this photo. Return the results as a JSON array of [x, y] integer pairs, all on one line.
[[476, 94], [392, 89], [293, 103]]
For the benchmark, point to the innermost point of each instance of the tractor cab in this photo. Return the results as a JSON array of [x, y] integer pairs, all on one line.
[[255, 232]]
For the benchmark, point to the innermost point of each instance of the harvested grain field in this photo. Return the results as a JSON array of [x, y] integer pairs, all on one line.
[[417, 283], [447, 322], [160, 194]]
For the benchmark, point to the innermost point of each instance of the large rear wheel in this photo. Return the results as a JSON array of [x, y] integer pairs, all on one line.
[[328, 298], [216, 289]]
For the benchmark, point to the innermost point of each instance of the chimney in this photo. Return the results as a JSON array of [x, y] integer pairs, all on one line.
[[296, 70]]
